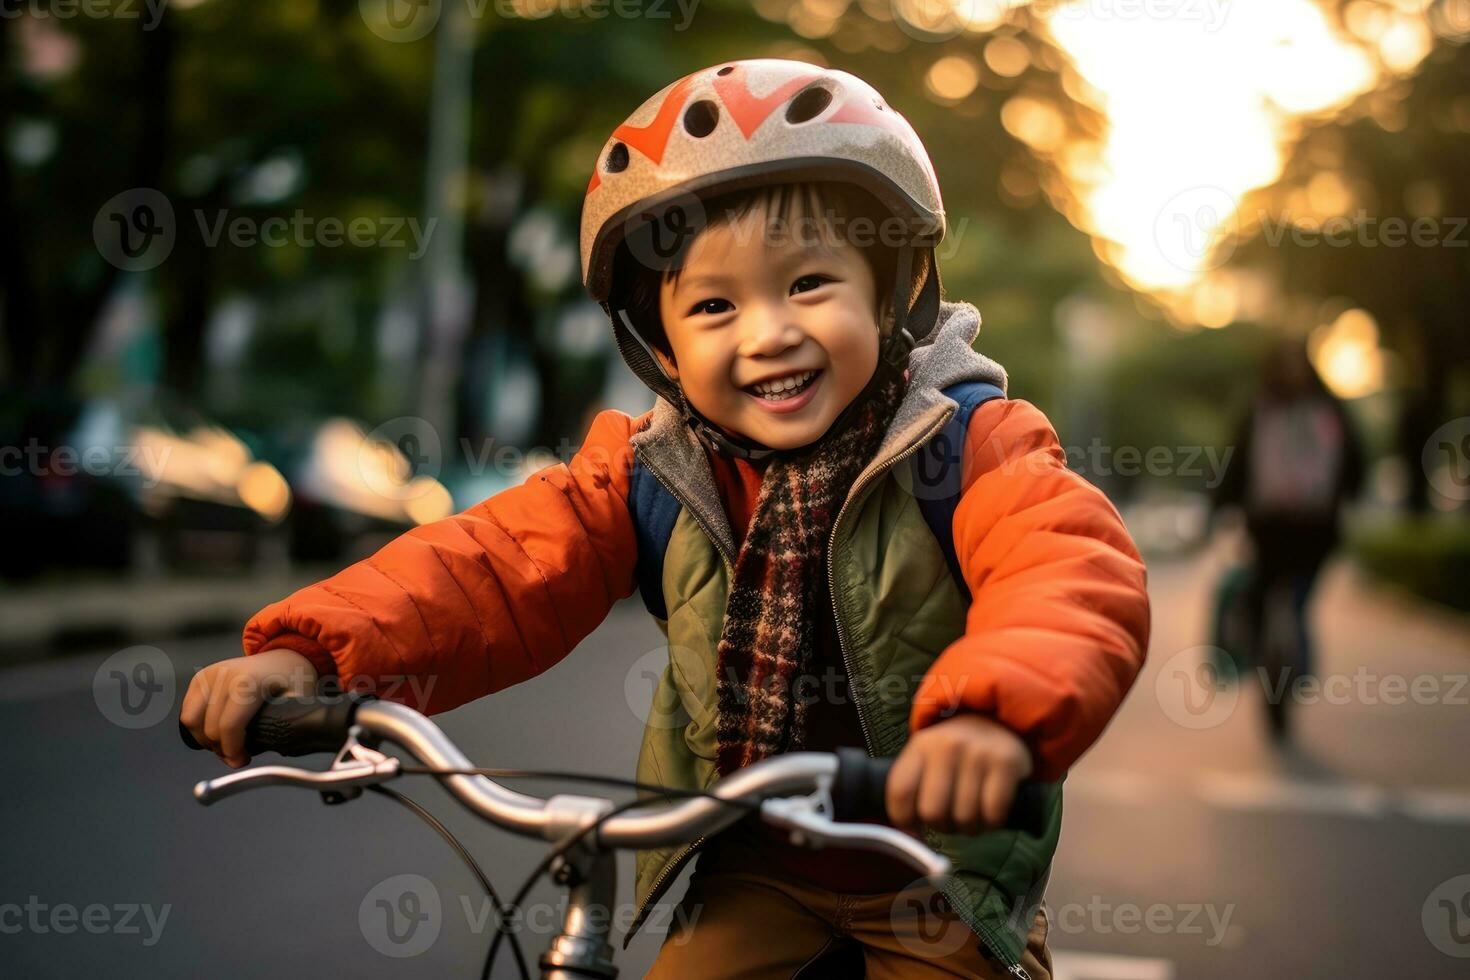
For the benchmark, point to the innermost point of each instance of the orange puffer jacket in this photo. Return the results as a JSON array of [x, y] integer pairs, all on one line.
[[469, 605]]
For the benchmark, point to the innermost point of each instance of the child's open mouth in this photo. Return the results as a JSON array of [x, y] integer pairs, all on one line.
[[785, 394]]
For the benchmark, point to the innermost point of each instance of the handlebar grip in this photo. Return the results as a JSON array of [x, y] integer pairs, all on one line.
[[296, 726], [858, 794]]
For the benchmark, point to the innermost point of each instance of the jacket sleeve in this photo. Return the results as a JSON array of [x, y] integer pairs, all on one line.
[[1059, 621], [469, 605]]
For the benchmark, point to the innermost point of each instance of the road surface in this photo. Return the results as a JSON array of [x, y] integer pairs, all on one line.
[[1190, 848]]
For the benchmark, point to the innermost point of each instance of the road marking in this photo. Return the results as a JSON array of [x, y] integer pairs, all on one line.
[[1272, 793], [1099, 966], [1259, 791], [1437, 806], [1117, 786]]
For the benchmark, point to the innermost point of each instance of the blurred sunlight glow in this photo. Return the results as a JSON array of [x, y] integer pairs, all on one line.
[[1200, 111], [208, 463], [1201, 103], [348, 470], [1346, 354]]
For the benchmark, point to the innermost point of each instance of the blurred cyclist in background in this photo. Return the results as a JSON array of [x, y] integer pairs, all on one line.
[[1296, 463]]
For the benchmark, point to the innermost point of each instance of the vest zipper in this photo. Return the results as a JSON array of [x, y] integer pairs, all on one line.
[[1014, 968], [658, 883]]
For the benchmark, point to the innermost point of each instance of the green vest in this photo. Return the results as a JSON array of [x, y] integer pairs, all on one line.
[[897, 608]]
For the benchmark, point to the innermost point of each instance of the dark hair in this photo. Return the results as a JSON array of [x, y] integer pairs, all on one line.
[[838, 212]]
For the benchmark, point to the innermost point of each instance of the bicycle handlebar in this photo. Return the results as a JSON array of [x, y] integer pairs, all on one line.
[[862, 783], [819, 798], [301, 726], [295, 726]]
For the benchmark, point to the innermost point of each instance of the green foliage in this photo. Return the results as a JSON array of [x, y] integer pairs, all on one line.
[[226, 90], [1428, 556], [1205, 379]]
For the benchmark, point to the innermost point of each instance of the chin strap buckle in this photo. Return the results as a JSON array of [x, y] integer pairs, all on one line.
[[720, 442], [899, 344]]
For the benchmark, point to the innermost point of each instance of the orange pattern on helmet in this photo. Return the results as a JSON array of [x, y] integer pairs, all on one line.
[[651, 140], [857, 136], [748, 110]]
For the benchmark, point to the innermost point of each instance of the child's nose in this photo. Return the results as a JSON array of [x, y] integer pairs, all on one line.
[[769, 332]]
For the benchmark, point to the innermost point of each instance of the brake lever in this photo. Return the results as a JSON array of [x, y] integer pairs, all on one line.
[[354, 767], [809, 818]]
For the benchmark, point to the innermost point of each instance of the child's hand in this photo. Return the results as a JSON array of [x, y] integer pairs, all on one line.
[[957, 775], [223, 697]]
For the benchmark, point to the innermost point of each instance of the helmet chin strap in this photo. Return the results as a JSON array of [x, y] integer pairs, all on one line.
[[893, 357]]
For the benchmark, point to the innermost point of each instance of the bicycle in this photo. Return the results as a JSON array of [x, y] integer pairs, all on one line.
[[1279, 657], [816, 796], [1283, 655]]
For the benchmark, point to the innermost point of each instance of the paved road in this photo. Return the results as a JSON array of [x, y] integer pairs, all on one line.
[[1332, 860], [1190, 849]]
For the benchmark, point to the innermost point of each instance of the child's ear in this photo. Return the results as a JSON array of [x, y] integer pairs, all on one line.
[[671, 367], [885, 317]]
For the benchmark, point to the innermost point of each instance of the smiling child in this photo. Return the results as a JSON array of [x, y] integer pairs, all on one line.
[[846, 531]]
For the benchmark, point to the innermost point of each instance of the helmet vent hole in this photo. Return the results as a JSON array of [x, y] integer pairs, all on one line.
[[808, 105], [617, 159], [701, 118], [725, 70]]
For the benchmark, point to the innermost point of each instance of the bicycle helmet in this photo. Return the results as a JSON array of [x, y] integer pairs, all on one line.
[[742, 124]]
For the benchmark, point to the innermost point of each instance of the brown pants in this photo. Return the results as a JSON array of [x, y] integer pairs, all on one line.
[[735, 922]]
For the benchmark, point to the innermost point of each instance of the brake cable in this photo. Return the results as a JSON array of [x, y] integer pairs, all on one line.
[[465, 855], [506, 910]]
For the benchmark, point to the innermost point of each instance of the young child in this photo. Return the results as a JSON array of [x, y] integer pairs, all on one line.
[[762, 235]]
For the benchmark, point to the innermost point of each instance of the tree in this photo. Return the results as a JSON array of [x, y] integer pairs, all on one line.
[[1377, 191]]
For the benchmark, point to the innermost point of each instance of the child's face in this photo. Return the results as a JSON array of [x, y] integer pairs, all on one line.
[[747, 310]]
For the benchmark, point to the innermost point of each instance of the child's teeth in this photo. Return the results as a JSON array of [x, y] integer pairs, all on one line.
[[776, 390]]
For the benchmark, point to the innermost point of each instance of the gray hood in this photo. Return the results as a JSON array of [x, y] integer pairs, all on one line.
[[675, 455]]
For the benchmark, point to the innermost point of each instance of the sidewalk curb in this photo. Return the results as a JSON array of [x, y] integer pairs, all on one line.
[[38, 621]]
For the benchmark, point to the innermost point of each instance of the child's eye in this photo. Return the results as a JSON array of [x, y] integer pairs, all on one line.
[[814, 279], [710, 306]]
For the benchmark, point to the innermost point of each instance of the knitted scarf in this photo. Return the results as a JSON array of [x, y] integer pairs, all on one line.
[[780, 585]]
